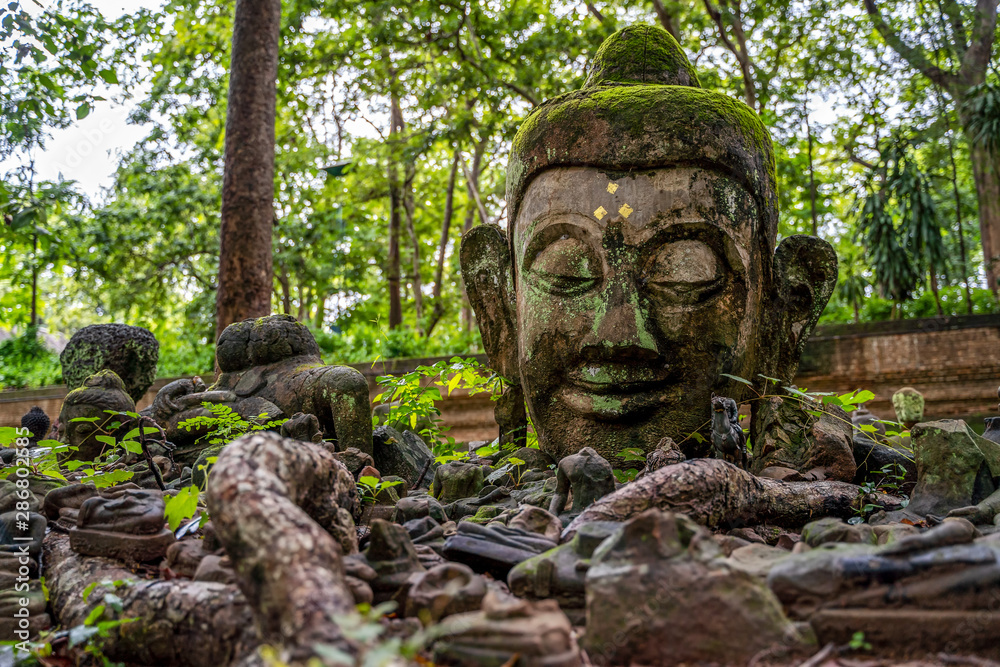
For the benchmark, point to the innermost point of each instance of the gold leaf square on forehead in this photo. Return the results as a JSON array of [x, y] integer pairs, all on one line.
[[600, 212], [612, 187], [625, 210]]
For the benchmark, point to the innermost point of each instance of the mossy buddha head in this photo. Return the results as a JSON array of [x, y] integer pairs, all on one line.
[[639, 265], [102, 392]]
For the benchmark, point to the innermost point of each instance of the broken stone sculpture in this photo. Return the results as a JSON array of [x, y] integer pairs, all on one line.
[[275, 360], [560, 573], [443, 590], [956, 469], [909, 406], [788, 433], [924, 593], [729, 443], [391, 555], [131, 352], [587, 476], [640, 262], [659, 593], [456, 480], [99, 393], [495, 548], [126, 524], [507, 631], [37, 423]]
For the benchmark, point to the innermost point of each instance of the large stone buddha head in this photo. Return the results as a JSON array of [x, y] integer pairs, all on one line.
[[639, 266]]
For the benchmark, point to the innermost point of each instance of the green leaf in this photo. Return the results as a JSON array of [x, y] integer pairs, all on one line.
[[132, 446], [94, 614], [181, 506], [737, 378], [82, 111], [369, 481], [108, 75], [106, 439]]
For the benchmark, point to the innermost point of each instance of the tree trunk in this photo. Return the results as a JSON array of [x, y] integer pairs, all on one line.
[[667, 20], [408, 207], [183, 623], [286, 291], [958, 219], [718, 494], [274, 504], [472, 186], [812, 177], [34, 280], [934, 290], [986, 173], [245, 265], [395, 201], [449, 211]]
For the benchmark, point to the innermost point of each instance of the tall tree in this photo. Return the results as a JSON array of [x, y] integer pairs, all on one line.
[[968, 43], [245, 267]]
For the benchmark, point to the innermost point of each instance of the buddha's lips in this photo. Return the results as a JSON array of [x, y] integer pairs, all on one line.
[[617, 382]]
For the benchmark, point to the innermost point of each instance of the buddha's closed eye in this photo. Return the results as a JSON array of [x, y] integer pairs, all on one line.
[[567, 266], [684, 272]]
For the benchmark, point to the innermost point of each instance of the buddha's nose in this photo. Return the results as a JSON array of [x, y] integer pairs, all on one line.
[[621, 328]]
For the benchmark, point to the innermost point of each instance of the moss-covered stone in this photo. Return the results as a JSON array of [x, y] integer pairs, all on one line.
[[131, 352], [642, 54]]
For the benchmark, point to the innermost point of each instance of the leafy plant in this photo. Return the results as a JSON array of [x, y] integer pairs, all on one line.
[[629, 454], [226, 425], [369, 487], [412, 397], [893, 476]]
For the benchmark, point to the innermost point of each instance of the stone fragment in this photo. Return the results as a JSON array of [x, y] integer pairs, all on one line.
[[130, 352], [586, 476], [785, 434], [391, 555], [419, 506], [507, 632], [127, 524], [215, 568], [658, 593], [955, 467], [495, 548], [560, 573], [456, 480], [70, 496], [443, 590], [354, 460], [403, 454], [533, 519], [908, 404]]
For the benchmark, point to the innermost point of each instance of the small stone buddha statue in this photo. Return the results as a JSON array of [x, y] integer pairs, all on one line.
[[102, 392], [639, 262]]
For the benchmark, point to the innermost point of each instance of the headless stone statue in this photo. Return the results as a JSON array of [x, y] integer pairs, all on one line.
[[588, 475], [638, 271], [272, 365]]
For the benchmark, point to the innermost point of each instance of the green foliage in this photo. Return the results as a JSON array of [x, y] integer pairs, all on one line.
[[26, 362], [982, 107], [370, 487], [411, 397], [858, 642], [181, 506], [226, 425]]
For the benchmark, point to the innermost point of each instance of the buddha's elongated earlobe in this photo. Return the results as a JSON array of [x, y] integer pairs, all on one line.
[[488, 275], [805, 273]]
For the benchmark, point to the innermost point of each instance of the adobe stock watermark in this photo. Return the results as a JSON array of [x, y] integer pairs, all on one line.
[[85, 146], [22, 539]]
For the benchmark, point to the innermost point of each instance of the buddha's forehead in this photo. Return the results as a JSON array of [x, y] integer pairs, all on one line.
[[641, 203]]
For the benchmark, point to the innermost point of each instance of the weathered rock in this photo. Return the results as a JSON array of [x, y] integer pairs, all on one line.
[[533, 519], [446, 589], [130, 352], [354, 460], [417, 507], [613, 357], [403, 454], [659, 593], [786, 434], [303, 427], [560, 573], [183, 557], [506, 630], [218, 569], [955, 467], [391, 555]]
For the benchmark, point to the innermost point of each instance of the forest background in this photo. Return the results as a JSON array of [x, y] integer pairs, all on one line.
[[394, 122]]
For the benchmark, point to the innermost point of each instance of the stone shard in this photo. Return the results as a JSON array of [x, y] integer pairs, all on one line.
[[658, 592], [955, 467]]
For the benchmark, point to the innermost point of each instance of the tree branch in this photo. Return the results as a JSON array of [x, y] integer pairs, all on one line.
[[915, 56]]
